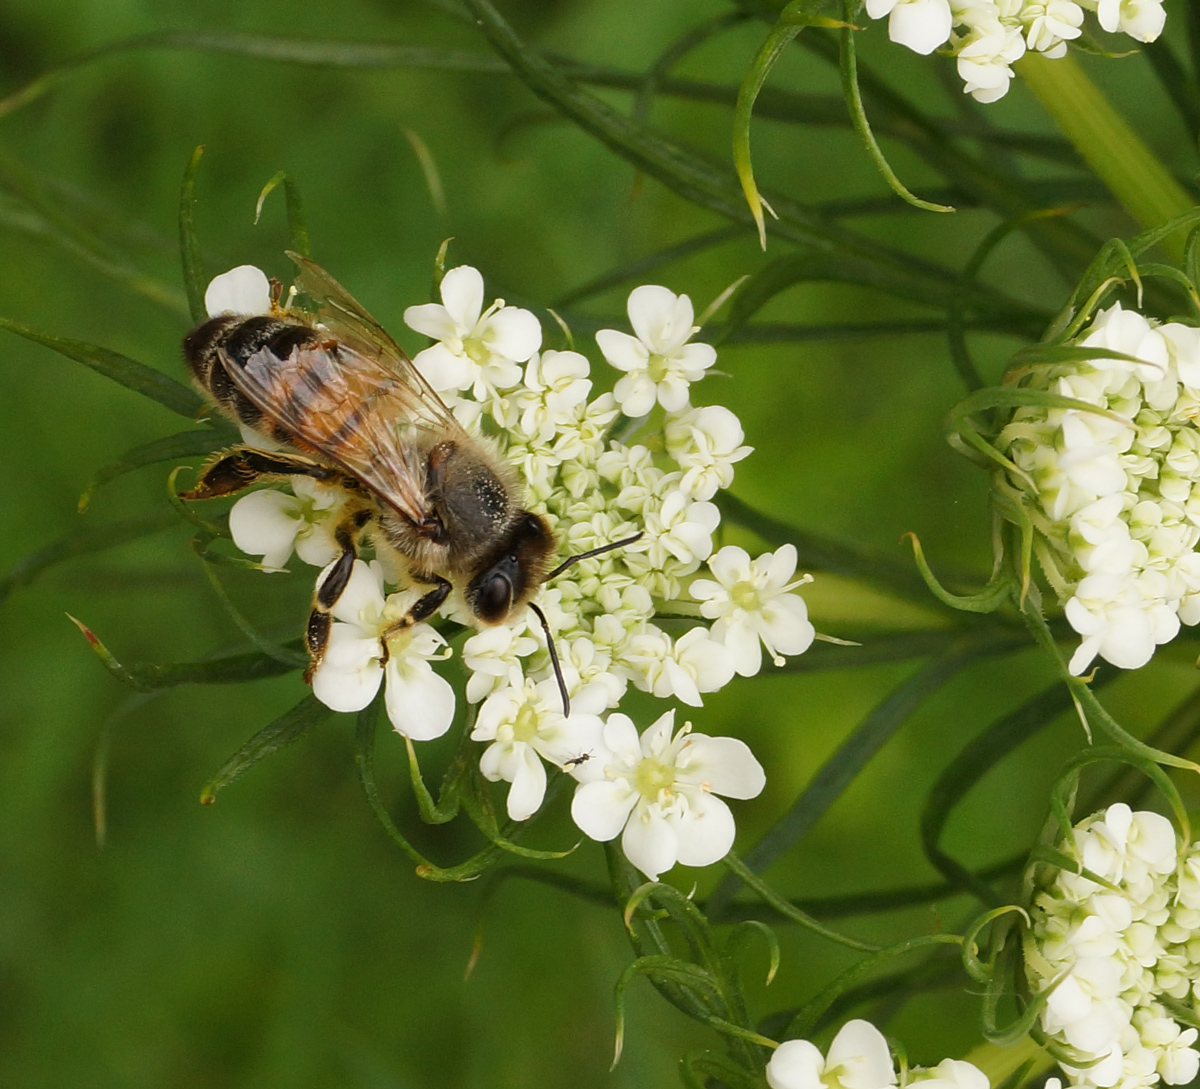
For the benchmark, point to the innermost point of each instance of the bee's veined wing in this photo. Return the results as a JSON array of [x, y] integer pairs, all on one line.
[[349, 322], [350, 408]]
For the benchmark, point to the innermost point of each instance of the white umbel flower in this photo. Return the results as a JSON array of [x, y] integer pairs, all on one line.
[[419, 702], [525, 726], [660, 791], [753, 606], [1106, 954], [1110, 491], [658, 362], [858, 1058], [477, 349], [705, 443], [273, 524]]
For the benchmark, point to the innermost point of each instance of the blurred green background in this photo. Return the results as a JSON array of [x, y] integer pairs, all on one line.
[[277, 939]]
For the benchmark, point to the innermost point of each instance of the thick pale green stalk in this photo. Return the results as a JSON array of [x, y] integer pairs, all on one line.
[[1130, 170]]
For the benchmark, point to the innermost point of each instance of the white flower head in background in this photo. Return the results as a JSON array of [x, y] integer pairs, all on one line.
[[1109, 956], [477, 349], [660, 789], [988, 36], [658, 362], [1111, 491], [365, 649]]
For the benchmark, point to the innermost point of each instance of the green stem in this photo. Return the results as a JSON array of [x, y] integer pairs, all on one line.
[[1133, 173]]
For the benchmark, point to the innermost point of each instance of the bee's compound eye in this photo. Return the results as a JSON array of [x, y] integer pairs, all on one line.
[[493, 599]]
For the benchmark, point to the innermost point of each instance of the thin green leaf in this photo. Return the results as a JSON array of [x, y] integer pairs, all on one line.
[[477, 803], [284, 655], [875, 647], [127, 706], [449, 798], [715, 188], [810, 1013], [658, 966], [697, 1068], [874, 902], [82, 543], [1177, 733], [739, 937], [956, 323], [1091, 706], [429, 170], [988, 600], [841, 769], [820, 553], [288, 727], [638, 268], [974, 761], [125, 676], [970, 953], [858, 116], [194, 279], [225, 669], [297, 224], [184, 444], [1065, 244], [120, 368], [364, 756], [788, 910], [794, 17], [56, 223]]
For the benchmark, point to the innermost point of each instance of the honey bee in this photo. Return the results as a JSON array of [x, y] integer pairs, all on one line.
[[351, 411]]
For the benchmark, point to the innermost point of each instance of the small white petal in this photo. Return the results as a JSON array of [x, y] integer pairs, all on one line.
[[528, 786], [241, 290], [707, 831], [420, 702], [796, 1064], [462, 295], [649, 842], [601, 808]]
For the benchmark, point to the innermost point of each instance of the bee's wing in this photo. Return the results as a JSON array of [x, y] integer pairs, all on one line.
[[351, 409], [350, 323]]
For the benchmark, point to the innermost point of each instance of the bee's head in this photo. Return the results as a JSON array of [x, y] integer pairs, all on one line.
[[512, 571]]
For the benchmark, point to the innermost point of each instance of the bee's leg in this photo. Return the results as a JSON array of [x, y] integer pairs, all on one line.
[[320, 619], [237, 469], [423, 608]]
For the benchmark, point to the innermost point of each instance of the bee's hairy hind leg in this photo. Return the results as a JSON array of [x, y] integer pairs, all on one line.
[[320, 619], [239, 468]]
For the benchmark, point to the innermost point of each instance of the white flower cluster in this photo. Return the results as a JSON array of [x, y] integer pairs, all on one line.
[[594, 489], [988, 36], [1115, 494], [1109, 954], [859, 1058]]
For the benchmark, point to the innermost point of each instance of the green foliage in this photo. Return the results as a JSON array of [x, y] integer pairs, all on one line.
[[930, 751]]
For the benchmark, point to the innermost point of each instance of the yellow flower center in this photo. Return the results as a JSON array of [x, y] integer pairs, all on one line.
[[525, 727], [653, 777], [745, 596], [657, 366]]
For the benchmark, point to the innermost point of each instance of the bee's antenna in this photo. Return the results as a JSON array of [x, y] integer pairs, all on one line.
[[558, 675], [570, 561]]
